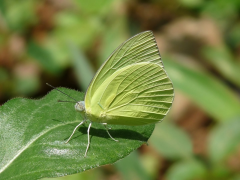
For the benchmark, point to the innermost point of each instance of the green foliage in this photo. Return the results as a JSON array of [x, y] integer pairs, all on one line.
[[208, 92], [224, 62], [43, 56], [224, 140], [131, 168], [13, 14], [33, 134], [169, 139], [187, 170], [82, 67]]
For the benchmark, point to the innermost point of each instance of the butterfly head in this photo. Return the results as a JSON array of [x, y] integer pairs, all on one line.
[[80, 106]]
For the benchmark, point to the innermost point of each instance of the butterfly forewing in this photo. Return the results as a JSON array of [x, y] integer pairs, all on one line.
[[140, 48]]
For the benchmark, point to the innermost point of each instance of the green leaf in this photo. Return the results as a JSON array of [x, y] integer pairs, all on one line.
[[223, 140], [44, 57], [26, 85], [18, 17], [221, 12], [208, 92], [236, 177], [131, 168], [223, 61], [4, 75], [92, 6], [33, 135], [233, 36], [151, 164], [81, 66], [220, 171], [186, 170], [116, 31], [171, 141], [191, 3], [94, 174], [70, 27]]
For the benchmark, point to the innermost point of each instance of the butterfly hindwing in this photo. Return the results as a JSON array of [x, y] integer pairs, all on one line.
[[137, 94]]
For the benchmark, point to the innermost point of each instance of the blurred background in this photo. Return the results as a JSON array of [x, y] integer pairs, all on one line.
[[64, 42]]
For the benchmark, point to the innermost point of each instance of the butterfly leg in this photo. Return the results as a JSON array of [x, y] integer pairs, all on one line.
[[75, 130], [105, 125], [88, 139]]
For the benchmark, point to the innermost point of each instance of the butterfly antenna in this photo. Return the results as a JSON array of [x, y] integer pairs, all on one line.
[[61, 92]]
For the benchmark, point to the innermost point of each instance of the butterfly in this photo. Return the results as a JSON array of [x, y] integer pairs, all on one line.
[[130, 88]]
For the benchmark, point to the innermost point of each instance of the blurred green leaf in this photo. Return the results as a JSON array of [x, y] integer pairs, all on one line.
[[219, 171], [5, 83], [115, 36], [19, 16], [26, 85], [92, 6], [33, 134], [150, 164], [186, 170], [205, 90], [223, 12], [58, 50], [44, 57], [224, 62], [236, 177], [171, 141], [223, 140], [130, 168], [81, 66], [3, 75], [70, 27], [3, 8], [191, 3], [234, 36]]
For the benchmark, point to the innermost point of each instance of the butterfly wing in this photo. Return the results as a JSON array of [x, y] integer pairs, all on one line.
[[137, 94], [131, 87], [140, 48]]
